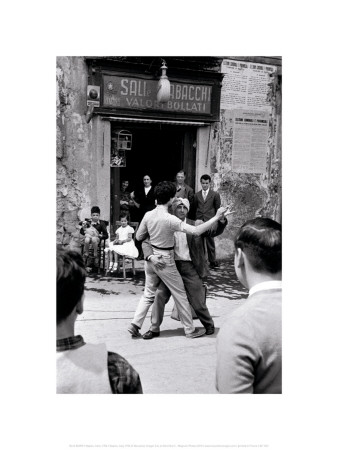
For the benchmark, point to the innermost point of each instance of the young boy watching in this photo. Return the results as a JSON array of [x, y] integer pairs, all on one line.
[[84, 368], [249, 344], [101, 228]]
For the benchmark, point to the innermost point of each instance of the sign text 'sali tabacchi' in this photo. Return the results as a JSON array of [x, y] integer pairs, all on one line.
[[134, 93]]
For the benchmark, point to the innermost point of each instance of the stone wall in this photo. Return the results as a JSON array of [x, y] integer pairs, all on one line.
[[83, 160], [75, 156], [252, 195]]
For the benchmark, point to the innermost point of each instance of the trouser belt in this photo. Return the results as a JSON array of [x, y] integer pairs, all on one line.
[[162, 248]]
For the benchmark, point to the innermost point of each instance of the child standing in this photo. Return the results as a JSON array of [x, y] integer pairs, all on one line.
[[123, 243]]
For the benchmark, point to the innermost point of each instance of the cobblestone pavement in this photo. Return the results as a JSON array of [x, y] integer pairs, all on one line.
[[170, 363]]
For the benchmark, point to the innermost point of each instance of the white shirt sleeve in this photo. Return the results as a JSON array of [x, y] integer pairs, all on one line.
[[177, 224], [189, 229], [142, 229]]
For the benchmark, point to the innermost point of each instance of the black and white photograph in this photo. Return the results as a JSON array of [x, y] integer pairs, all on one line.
[[169, 215], [151, 155]]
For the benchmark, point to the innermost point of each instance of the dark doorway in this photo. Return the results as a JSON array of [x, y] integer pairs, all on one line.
[[159, 151], [155, 152]]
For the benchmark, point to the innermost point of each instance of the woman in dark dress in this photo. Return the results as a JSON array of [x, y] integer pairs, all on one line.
[[144, 198]]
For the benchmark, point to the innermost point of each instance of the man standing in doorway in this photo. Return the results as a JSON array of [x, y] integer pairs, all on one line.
[[182, 189], [206, 203]]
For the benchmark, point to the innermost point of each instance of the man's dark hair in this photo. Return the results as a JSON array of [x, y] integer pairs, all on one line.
[[181, 171], [95, 209], [205, 177], [164, 191], [70, 280], [261, 241]]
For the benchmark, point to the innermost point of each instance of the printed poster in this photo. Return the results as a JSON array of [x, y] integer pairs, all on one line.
[[250, 141], [245, 85]]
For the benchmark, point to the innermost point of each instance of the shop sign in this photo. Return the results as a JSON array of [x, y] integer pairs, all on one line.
[[139, 94]]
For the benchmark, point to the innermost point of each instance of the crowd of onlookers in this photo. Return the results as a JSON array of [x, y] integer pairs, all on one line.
[[175, 238]]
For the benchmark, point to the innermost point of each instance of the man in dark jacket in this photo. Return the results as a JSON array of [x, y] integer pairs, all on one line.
[[206, 203], [182, 189], [190, 262]]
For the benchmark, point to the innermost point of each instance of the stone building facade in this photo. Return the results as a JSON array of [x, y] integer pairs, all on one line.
[[202, 133]]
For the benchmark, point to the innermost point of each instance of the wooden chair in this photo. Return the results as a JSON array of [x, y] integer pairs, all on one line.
[[122, 259]]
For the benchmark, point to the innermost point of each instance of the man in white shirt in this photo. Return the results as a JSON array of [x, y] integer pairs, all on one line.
[[249, 345], [161, 226], [191, 264]]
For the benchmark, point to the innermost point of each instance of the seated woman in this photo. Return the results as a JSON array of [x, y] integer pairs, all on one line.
[[123, 244]]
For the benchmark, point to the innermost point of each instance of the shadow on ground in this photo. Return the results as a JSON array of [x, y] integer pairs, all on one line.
[[222, 282]]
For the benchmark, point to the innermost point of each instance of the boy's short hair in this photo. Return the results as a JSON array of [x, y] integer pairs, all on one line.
[[123, 216], [95, 210], [261, 241], [205, 177], [164, 191], [70, 280]]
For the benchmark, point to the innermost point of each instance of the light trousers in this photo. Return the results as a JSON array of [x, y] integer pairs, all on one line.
[[95, 241], [170, 276], [196, 293]]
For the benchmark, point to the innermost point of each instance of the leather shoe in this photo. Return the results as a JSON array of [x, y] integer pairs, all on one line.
[[210, 330], [134, 330], [196, 333], [213, 265], [151, 334]]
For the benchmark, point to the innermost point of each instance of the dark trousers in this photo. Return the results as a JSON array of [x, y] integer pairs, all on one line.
[[138, 245], [210, 244], [195, 292]]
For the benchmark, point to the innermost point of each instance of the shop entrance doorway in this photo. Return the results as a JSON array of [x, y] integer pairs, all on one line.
[[159, 151]]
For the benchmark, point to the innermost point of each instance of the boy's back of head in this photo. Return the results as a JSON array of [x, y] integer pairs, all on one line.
[[70, 280], [164, 191], [261, 241]]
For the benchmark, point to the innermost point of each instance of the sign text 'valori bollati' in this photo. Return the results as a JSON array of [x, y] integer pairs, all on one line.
[[132, 93]]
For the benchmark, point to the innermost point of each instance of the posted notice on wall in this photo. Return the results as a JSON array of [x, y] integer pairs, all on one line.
[[245, 85], [250, 141]]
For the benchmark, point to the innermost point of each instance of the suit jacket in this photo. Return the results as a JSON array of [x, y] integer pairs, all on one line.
[[185, 192], [196, 246], [249, 347], [205, 210]]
